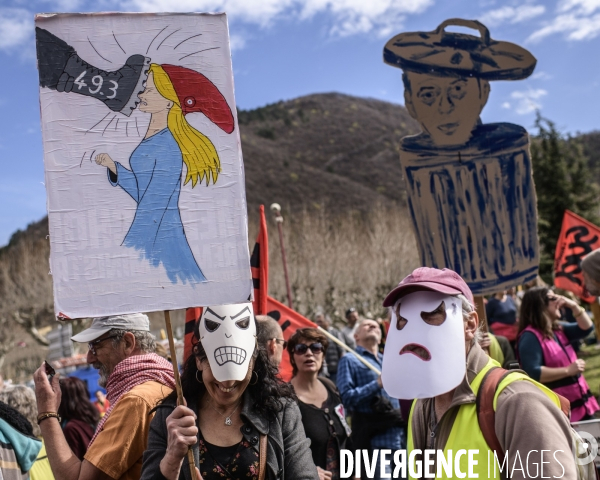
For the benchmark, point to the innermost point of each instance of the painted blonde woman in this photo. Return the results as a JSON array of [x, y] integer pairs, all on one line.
[[156, 165]]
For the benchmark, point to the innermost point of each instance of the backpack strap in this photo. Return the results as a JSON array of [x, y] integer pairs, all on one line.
[[329, 385], [486, 415], [484, 403], [262, 452], [565, 405]]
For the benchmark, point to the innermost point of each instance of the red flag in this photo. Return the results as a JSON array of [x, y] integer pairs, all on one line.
[[192, 315], [290, 321], [259, 263], [578, 237]]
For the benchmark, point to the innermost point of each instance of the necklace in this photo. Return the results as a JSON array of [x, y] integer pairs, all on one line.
[[227, 418]]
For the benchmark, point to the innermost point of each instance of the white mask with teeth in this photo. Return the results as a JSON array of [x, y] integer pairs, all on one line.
[[425, 347], [228, 335]]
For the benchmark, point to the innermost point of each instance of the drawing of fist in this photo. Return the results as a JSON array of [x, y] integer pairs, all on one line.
[[105, 160]]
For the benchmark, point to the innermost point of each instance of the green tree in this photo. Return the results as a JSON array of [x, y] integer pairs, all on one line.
[[563, 181]]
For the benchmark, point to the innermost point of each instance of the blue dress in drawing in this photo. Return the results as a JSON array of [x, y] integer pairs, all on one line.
[[154, 182]]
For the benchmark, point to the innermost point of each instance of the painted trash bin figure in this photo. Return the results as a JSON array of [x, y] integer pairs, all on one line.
[[470, 190]]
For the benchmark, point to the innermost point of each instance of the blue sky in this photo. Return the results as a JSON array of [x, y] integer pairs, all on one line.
[[287, 48]]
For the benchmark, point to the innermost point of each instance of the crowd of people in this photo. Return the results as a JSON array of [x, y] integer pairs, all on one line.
[[260, 427]]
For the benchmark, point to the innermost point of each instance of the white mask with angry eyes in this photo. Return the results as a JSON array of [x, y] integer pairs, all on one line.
[[228, 335], [425, 347]]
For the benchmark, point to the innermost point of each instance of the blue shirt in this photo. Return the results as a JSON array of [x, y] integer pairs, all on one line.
[[358, 386], [498, 311]]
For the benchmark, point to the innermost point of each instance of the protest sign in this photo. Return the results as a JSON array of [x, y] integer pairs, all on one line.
[[144, 173], [578, 237], [470, 188]]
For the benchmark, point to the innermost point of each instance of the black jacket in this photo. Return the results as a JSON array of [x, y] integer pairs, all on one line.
[[288, 456]]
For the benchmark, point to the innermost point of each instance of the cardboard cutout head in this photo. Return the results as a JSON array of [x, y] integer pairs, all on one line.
[[467, 181], [447, 108], [447, 74], [228, 335], [425, 347]]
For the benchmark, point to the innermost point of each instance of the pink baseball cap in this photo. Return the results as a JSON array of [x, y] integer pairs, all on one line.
[[425, 278]]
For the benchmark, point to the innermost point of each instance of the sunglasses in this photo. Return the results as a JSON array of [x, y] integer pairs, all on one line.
[[302, 348]]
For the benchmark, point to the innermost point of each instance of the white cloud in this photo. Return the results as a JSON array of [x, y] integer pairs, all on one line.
[[64, 5], [585, 7], [576, 20], [349, 17], [508, 14], [541, 75], [236, 42], [253, 11], [16, 27], [382, 18], [527, 100], [506, 105]]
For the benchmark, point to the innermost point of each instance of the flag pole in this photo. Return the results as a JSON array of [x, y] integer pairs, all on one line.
[[276, 209], [180, 399], [348, 349]]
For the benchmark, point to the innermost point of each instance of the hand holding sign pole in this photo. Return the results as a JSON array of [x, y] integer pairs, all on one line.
[[180, 399]]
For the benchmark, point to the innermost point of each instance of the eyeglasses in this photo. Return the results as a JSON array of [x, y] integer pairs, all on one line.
[[92, 345], [283, 342], [302, 348]]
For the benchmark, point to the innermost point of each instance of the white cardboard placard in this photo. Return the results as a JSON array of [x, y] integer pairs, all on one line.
[[129, 244]]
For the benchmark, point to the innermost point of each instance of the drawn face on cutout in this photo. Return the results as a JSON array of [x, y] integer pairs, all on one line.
[[447, 108], [228, 335], [425, 348], [151, 100]]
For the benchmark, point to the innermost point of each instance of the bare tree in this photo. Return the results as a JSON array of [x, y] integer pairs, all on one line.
[[342, 261]]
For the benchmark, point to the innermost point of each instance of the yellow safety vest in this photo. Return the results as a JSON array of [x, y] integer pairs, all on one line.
[[466, 434], [495, 349]]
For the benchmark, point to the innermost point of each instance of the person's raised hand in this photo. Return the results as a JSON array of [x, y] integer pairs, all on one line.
[[47, 393], [105, 160], [324, 474], [485, 340], [567, 302], [182, 433], [577, 367]]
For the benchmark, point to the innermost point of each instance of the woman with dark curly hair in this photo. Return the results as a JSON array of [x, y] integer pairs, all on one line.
[[323, 414], [78, 414], [545, 350], [239, 429]]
